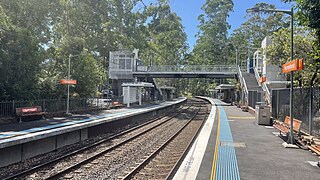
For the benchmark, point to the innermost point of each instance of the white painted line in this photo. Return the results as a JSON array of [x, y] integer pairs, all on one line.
[[276, 133], [286, 145], [191, 164], [313, 163], [269, 127]]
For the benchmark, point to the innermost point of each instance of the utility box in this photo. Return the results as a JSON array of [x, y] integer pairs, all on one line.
[[263, 115]]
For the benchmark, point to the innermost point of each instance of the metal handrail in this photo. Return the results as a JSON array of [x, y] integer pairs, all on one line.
[[256, 74], [266, 89], [243, 83], [264, 86], [193, 68]]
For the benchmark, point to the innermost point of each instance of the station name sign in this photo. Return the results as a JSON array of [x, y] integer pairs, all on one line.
[[68, 81], [294, 65]]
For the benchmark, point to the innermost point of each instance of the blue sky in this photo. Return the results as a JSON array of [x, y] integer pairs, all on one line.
[[189, 10]]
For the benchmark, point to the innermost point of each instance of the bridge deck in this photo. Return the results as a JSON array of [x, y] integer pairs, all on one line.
[[189, 71]]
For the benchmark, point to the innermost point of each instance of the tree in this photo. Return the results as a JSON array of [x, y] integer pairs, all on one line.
[[213, 30], [212, 46], [20, 56], [166, 39], [279, 53], [308, 15], [256, 28], [37, 37]]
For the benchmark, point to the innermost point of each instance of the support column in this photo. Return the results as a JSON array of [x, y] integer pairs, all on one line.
[[128, 94], [139, 92]]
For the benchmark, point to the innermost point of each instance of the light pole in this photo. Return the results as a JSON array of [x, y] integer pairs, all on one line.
[[291, 13], [68, 94]]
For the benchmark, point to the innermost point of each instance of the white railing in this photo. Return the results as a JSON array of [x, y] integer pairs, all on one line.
[[264, 86], [191, 68], [243, 83], [266, 89], [256, 74]]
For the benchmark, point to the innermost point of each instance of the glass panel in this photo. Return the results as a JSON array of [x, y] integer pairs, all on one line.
[[122, 63], [128, 64]]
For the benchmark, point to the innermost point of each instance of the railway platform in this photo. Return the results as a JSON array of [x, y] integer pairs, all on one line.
[[232, 146], [20, 141]]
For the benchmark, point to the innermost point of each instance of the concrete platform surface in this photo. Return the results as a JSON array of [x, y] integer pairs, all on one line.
[[238, 148], [17, 133]]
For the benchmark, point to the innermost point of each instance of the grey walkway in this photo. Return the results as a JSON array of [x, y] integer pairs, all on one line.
[[259, 153]]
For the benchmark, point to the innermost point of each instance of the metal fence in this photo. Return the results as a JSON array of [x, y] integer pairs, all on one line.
[[190, 68], [53, 106], [306, 107], [255, 98]]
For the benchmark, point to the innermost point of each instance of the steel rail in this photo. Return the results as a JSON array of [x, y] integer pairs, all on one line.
[[78, 164], [185, 152], [158, 150]]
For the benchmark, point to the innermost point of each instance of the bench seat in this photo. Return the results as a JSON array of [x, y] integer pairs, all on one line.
[[285, 126], [30, 111], [315, 149]]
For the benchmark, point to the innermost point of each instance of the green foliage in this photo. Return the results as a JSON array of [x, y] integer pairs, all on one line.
[[19, 56], [279, 53], [212, 36], [37, 37], [257, 27], [212, 47], [308, 13], [166, 39]]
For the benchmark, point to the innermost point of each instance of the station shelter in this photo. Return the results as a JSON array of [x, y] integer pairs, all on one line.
[[226, 92], [168, 92], [134, 91]]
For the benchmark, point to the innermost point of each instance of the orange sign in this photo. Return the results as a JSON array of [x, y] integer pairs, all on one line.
[[262, 79], [68, 81], [294, 65], [300, 64]]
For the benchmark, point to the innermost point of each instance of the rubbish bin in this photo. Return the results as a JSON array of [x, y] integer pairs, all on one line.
[[263, 115]]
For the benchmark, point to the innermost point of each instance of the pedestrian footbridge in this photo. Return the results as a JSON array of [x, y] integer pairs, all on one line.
[[186, 71]]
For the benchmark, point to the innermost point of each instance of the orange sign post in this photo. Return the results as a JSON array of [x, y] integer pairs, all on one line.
[[291, 66], [68, 81]]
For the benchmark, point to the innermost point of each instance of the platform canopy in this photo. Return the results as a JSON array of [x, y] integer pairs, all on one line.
[[138, 84], [130, 91]]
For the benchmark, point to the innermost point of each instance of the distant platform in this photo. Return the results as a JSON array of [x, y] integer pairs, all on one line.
[[19, 141]]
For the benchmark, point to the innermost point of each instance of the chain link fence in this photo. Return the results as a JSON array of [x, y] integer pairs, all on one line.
[[55, 106], [306, 107]]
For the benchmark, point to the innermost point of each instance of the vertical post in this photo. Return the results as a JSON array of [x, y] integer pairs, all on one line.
[[139, 91], [43, 105], [291, 79], [68, 100], [248, 61], [128, 96], [13, 108], [310, 110], [236, 58], [278, 102]]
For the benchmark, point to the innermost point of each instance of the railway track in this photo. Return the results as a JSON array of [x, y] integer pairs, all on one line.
[[122, 155], [164, 161], [45, 170]]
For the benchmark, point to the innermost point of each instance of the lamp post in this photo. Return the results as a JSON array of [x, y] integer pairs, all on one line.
[[68, 94], [291, 13]]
